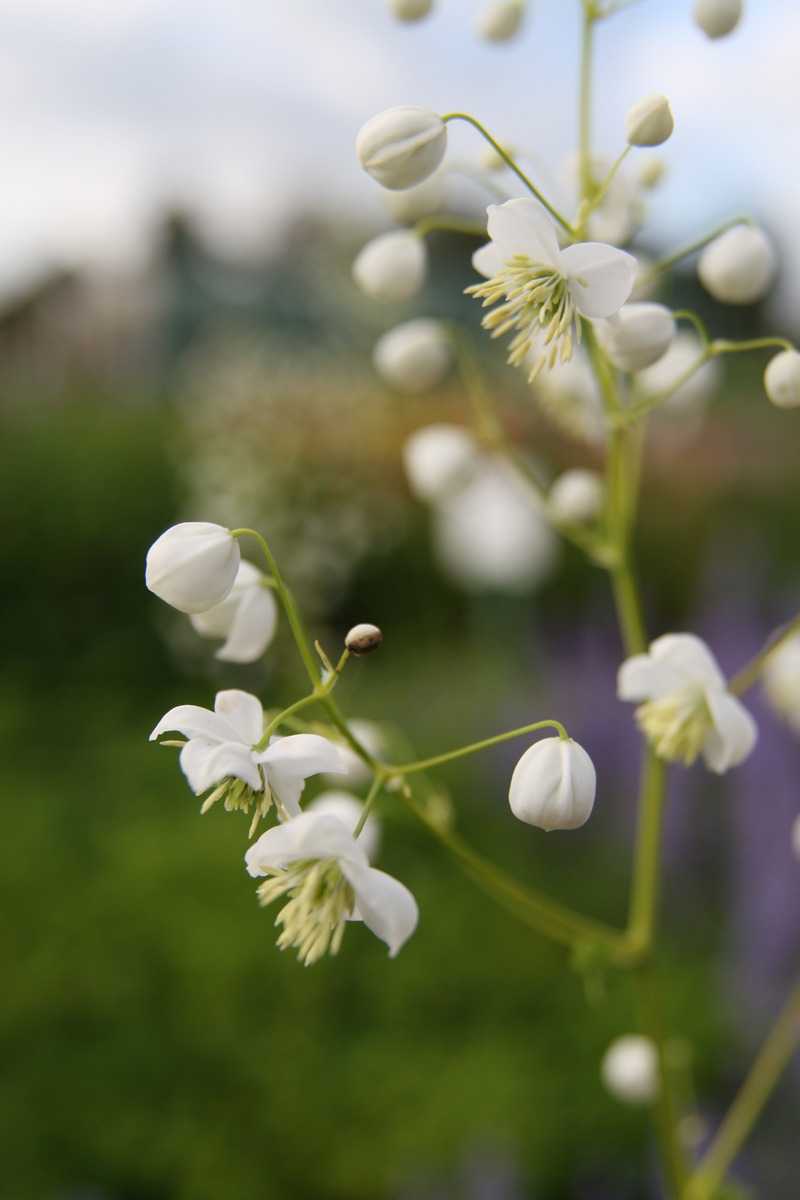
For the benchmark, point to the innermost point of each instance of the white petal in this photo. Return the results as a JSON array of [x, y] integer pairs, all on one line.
[[690, 657], [193, 721], [643, 678], [349, 809], [601, 277], [385, 905], [734, 733], [311, 835], [487, 260], [288, 787], [522, 227], [206, 763], [243, 712], [252, 628], [304, 754]]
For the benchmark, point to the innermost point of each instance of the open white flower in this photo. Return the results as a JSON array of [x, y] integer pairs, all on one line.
[[781, 680], [687, 709], [223, 753], [246, 618], [542, 291], [324, 872]]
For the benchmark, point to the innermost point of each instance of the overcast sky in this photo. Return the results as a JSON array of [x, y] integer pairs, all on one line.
[[247, 109]]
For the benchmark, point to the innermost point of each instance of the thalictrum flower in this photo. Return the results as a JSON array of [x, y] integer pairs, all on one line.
[[223, 753], [192, 566], [687, 709], [323, 871], [542, 291], [553, 785], [246, 618]]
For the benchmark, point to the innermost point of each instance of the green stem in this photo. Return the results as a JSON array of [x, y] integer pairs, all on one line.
[[424, 764], [649, 403], [585, 102], [509, 161], [686, 314], [774, 1056], [665, 1114], [724, 346], [372, 796], [646, 884], [744, 679], [664, 264]]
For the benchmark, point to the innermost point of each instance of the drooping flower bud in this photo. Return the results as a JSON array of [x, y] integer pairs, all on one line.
[[413, 356], [363, 639], [738, 266], [650, 122], [438, 458], [391, 266], [553, 785], [781, 680], [637, 336], [193, 566], [402, 146], [782, 379], [576, 496], [410, 10], [500, 20], [717, 18], [630, 1069]]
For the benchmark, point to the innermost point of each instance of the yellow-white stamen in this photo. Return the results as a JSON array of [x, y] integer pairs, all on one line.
[[320, 901], [677, 725]]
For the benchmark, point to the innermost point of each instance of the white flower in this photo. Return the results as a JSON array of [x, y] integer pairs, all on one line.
[[542, 291], [410, 10], [738, 266], [500, 20], [402, 146], [782, 379], [348, 808], [637, 336], [223, 752], [687, 708], [193, 566], [414, 356], [438, 459], [649, 122], [553, 785], [662, 376], [630, 1069], [577, 495], [246, 618], [391, 266], [492, 533], [781, 680], [316, 863], [717, 17]]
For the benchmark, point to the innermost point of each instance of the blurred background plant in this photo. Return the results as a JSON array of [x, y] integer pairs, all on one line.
[[155, 1045]]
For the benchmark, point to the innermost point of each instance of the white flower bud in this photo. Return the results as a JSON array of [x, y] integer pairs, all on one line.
[[413, 203], [500, 20], [576, 496], [391, 266], [630, 1069], [438, 458], [410, 10], [402, 146], [193, 566], [717, 18], [651, 171], [738, 266], [782, 379], [637, 336], [413, 356], [363, 639], [650, 122], [553, 785], [781, 680]]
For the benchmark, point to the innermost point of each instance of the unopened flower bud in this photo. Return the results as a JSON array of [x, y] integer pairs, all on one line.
[[438, 458], [410, 10], [501, 20], [630, 1069], [553, 785], [781, 680], [637, 336], [782, 379], [391, 266], [651, 171], [738, 266], [363, 639], [576, 496], [193, 566], [650, 122], [402, 146], [413, 356], [717, 18]]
